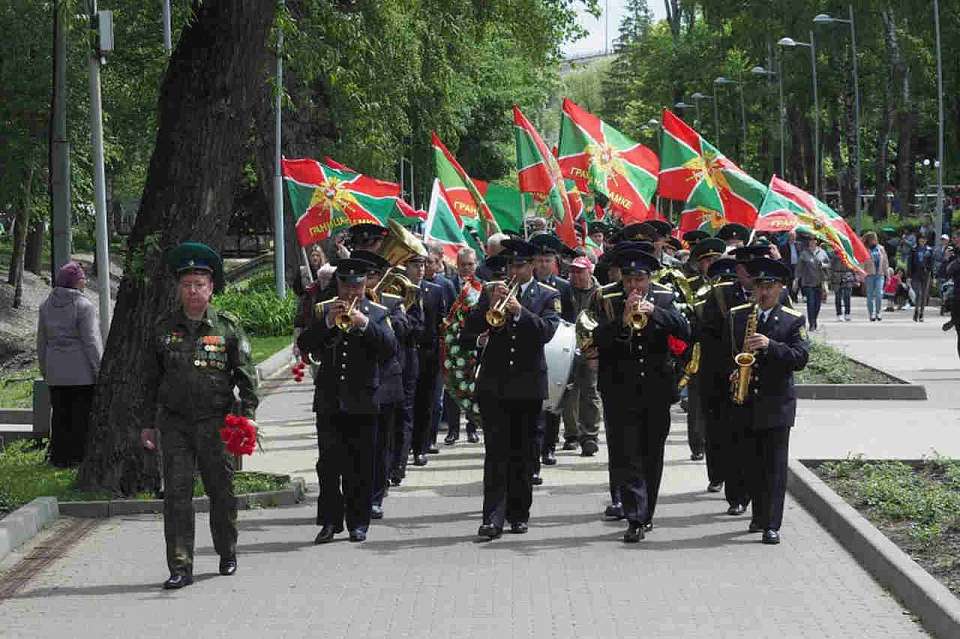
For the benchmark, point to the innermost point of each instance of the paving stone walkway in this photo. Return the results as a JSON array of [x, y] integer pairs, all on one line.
[[423, 574]]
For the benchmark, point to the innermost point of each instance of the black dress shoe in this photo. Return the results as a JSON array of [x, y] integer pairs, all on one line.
[[175, 582], [771, 537], [754, 527], [696, 456], [614, 512], [947, 326], [432, 450], [647, 526], [570, 444], [736, 509], [228, 566], [633, 534], [519, 528], [549, 458], [450, 440], [715, 487], [489, 531], [420, 460], [589, 448], [536, 479], [358, 535], [326, 534], [395, 481], [473, 438], [376, 511]]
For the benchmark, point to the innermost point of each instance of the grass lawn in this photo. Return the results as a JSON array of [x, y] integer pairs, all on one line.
[[828, 365], [916, 506], [264, 347], [25, 475], [16, 389]]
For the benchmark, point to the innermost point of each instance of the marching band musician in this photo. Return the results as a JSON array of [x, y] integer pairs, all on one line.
[[780, 347], [395, 418], [511, 385], [432, 310], [635, 382], [549, 250], [352, 340]]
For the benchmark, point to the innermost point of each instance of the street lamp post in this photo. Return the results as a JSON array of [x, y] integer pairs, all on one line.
[[790, 42], [279, 244], [936, 24], [826, 19], [697, 97], [743, 112], [761, 71]]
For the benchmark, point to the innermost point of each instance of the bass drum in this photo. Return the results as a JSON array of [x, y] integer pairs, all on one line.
[[559, 353]]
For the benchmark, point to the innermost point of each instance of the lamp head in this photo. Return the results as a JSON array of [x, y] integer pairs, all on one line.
[[758, 70], [787, 42], [822, 18]]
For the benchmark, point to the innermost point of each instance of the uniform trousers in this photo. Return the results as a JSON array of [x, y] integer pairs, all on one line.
[[188, 445], [714, 433], [768, 474], [403, 430], [452, 411], [636, 436], [383, 445], [736, 450], [508, 431], [696, 428], [581, 403], [345, 469], [423, 436]]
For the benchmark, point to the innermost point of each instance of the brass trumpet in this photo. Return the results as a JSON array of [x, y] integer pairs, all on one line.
[[496, 315], [343, 321], [637, 320]]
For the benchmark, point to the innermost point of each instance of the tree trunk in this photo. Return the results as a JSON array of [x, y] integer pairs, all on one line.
[[904, 117], [21, 222], [34, 248], [878, 209], [204, 124]]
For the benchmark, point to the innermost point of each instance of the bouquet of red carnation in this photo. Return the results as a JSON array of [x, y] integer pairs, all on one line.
[[297, 370], [239, 434], [676, 345]]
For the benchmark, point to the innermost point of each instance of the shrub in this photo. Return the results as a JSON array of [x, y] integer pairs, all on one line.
[[261, 312]]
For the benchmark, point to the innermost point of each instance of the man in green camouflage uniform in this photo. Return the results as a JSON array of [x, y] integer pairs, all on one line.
[[200, 355]]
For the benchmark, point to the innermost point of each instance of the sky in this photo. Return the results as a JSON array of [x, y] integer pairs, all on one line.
[[594, 42]]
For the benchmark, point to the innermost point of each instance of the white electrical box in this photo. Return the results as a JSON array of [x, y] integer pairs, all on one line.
[[105, 31]]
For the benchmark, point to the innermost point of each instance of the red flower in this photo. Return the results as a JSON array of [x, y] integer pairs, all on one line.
[[239, 434], [677, 346]]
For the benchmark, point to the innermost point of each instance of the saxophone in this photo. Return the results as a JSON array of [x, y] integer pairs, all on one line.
[[744, 360]]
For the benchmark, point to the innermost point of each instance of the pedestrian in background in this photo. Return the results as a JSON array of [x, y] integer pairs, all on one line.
[[812, 273], [875, 268], [843, 280], [919, 268], [69, 352]]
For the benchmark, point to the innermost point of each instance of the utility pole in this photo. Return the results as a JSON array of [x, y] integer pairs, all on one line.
[[939, 211], [279, 248], [167, 33], [102, 25], [61, 226]]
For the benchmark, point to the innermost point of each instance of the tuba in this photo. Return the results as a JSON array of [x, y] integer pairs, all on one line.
[[745, 360], [398, 247], [394, 282], [586, 322]]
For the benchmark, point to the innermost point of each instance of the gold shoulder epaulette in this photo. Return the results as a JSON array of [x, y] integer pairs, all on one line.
[[724, 283], [791, 311], [662, 287], [741, 307], [548, 287]]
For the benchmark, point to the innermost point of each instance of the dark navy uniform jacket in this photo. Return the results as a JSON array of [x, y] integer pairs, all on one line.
[[450, 292], [568, 308], [350, 364], [512, 365], [772, 401], [405, 328], [432, 310], [635, 364]]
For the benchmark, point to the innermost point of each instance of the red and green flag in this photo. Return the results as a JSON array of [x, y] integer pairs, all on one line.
[[693, 171], [467, 199], [787, 208], [538, 173], [406, 214], [506, 204], [600, 158], [443, 226], [327, 199]]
